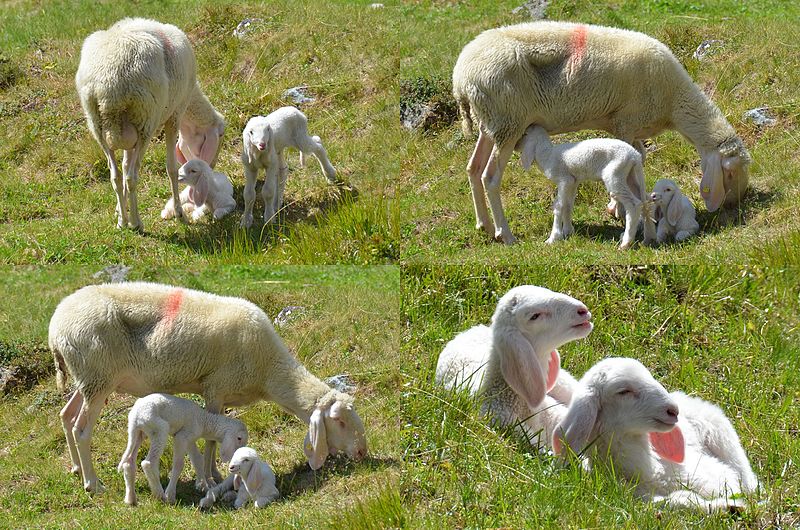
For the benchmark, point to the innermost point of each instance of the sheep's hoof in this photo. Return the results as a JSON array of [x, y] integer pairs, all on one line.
[[247, 221], [75, 470], [95, 488], [130, 501], [505, 237]]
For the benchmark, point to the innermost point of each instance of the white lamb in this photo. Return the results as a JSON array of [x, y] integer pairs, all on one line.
[[568, 77], [617, 164], [514, 363], [206, 190], [251, 476], [159, 415], [140, 338], [692, 458], [264, 140], [134, 78], [674, 213]]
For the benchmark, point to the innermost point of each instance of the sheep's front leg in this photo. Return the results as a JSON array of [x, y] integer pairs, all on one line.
[[477, 163], [68, 416], [268, 191], [251, 174], [242, 497], [82, 433], [492, 177]]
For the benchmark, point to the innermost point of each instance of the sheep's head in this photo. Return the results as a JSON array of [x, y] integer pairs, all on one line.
[[725, 174], [528, 325], [235, 437], [335, 426], [242, 460], [257, 137], [196, 174]]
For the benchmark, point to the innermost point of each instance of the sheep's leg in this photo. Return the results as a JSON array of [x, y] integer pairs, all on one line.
[[241, 498], [633, 210], [268, 191], [477, 163], [683, 235], [68, 416], [128, 465], [117, 185], [250, 174], [180, 446], [131, 162], [313, 145], [283, 175], [492, 176], [150, 464], [210, 455], [562, 210], [171, 139], [82, 433]]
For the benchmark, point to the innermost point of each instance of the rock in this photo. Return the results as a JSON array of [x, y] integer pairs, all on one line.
[[288, 314], [535, 8], [760, 116], [245, 26], [113, 273], [298, 94], [342, 383], [707, 48]]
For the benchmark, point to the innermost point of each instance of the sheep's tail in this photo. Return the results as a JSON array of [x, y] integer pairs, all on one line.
[[465, 112], [61, 369], [110, 127]]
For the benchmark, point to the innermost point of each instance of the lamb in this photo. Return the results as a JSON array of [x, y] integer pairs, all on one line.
[[206, 190], [251, 476], [679, 219], [514, 362], [134, 78], [692, 458], [567, 77], [160, 415], [264, 140], [614, 162], [140, 338]]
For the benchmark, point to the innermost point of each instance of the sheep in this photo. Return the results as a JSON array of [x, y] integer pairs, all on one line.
[[134, 78], [513, 363], [567, 77], [614, 162], [138, 338], [678, 449], [251, 476], [159, 415], [206, 190], [264, 140], [674, 212]]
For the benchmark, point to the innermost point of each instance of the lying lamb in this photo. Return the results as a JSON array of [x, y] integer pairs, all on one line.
[[159, 415], [206, 190], [614, 162], [251, 476], [674, 213], [264, 140], [692, 458]]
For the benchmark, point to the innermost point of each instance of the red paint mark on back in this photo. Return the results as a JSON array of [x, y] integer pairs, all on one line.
[[172, 306], [166, 42], [577, 49]]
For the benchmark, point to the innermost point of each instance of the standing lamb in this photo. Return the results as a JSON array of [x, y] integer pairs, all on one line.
[[514, 363], [206, 190], [264, 140], [140, 338], [252, 477], [567, 77], [614, 162], [692, 458], [674, 213], [134, 78], [159, 415]]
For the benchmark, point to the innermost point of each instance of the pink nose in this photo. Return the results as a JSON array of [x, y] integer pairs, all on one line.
[[672, 411], [583, 311], [261, 147]]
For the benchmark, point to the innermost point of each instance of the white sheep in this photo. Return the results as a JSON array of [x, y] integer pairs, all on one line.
[[158, 416], [264, 140], [140, 338], [616, 163], [206, 190], [251, 476], [514, 363], [567, 77], [134, 78], [674, 212], [678, 449]]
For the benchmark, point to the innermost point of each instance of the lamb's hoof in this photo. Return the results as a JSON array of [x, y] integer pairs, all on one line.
[[130, 501], [551, 240], [136, 227], [95, 488], [169, 499], [625, 245], [247, 221], [75, 470], [505, 237]]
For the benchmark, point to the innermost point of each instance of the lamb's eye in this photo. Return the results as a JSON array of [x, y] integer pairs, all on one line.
[[625, 392], [535, 316], [667, 189]]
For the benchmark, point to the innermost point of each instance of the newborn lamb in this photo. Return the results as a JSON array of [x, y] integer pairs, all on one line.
[[251, 476], [206, 190], [679, 219]]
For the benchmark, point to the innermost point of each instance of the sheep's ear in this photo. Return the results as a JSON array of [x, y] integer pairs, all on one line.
[[552, 369], [669, 445], [336, 410], [316, 443], [577, 425], [520, 367], [199, 192], [675, 208], [208, 151], [712, 187]]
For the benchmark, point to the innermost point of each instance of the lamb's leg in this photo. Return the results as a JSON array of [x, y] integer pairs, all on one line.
[[268, 191], [683, 235], [241, 498], [633, 210], [210, 455], [562, 210], [251, 174], [283, 174], [150, 465], [313, 145], [201, 483], [117, 185], [82, 433], [127, 465], [477, 163], [171, 139], [663, 230], [180, 446], [68, 416], [492, 177]]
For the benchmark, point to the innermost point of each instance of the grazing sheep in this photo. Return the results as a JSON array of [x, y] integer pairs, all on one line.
[[159, 415], [567, 77], [692, 458], [251, 476], [513, 363], [134, 78], [674, 213], [140, 338], [264, 140], [206, 190], [614, 162]]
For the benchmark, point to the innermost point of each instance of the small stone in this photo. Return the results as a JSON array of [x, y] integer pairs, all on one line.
[[113, 273], [342, 383], [288, 314], [298, 94], [245, 26], [760, 116], [707, 48]]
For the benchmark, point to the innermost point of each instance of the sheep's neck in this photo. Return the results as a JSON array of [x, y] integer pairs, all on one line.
[[295, 389], [698, 119]]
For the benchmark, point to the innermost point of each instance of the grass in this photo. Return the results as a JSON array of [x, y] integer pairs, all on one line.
[[749, 71], [349, 324], [57, 202], [729, 335]]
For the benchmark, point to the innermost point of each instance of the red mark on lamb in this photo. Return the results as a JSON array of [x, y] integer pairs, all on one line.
[[577, 49], [173, 306]]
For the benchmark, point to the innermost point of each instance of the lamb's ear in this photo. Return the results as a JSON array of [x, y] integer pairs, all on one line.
[[577, 425], [316, 443], [675, 208], [669, 445], [256, 477], [247, 145], [520, 367], [199, 192], [552, 369], [208, 151], [712, 186], [237, 482]]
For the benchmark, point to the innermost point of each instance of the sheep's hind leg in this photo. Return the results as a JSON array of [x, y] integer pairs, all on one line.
[[492, 176], [633, 211], [82, 433], [68, 415], [171, 139], [131, 162], [477, 163], [119, 189], [150, 465], [251, 175]]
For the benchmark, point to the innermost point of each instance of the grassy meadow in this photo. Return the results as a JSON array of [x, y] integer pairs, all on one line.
[[728, 335], [755, 66]]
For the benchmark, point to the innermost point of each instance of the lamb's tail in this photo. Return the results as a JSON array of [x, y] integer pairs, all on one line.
[[61, 368]]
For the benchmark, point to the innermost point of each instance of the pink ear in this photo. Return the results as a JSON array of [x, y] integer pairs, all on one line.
[[199, 192], [208, 151], [558, 447], [669, 445], [179, 154], [552, 370]]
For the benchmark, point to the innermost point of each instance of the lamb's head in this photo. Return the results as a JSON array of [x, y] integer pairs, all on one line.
[[334, 426], [242, 461], [725, 174], [528, 325], [620, 397], [257, 137], [234, 437], [196, 174]]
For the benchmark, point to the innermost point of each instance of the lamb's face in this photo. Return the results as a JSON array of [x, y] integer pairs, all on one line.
[[242, 461], [191, 171], [345, 431], [662, 194], [232, 441], [259, 133]]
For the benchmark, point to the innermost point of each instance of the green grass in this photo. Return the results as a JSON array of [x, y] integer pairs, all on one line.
[[753, 69], [350, 325], [56, 201], [728, 335]]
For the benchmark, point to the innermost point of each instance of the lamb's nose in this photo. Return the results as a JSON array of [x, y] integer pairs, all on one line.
[[262, 146], [672, 411], [653, 196], [583, 311]]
